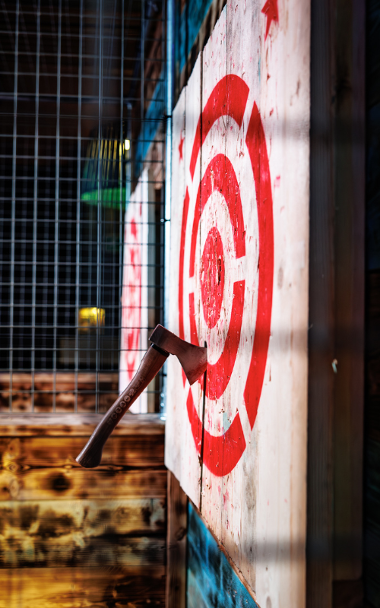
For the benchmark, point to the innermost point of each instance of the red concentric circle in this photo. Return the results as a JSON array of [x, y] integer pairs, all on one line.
[[222, 453]]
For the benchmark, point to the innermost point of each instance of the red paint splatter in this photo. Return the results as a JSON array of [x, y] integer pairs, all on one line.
[[180, 148], [212, 277], [270, 10], [134, 229], [277, 181]]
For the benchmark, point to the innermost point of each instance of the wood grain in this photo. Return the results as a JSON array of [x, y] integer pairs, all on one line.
[[77, 537], [109, 550], [66, 483], [52, 519], [133, 451], [211, 580], [372, 442], [83, 588], [321, 313], [176, 544], [349, 197], [70, 393], [250, 164], [77, 424]]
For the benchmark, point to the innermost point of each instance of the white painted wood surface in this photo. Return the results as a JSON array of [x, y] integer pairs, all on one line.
[[134, 318], [244, 272]]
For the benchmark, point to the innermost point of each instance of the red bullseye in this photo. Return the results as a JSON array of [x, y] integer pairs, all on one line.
[[229, 97], [212, 277]]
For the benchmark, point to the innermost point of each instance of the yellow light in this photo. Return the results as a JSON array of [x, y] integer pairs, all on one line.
[[127, 144], [91, 317]]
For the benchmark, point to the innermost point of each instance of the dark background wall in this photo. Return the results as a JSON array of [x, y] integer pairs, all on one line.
[[372, 409]]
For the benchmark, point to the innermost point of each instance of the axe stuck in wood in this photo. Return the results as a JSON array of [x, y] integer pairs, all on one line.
[[164, 343]]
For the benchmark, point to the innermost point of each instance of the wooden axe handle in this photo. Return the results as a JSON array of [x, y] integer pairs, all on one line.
[[150, 365]]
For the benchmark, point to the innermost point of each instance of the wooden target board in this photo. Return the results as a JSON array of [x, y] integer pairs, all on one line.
[[134, 307], [239, 282]]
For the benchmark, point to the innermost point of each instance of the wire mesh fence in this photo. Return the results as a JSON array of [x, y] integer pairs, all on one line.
[[81, 127]]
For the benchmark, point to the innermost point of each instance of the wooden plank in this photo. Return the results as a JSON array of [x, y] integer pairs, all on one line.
[[77, 424], [321, 313], [349, 162], [67, 483], [90, 518], [176, 545], [181, 455], [215, 221], [134, 451], [113, 551], [83, 588], [348, 594], [67, 394], [47, 533], [211, 580]]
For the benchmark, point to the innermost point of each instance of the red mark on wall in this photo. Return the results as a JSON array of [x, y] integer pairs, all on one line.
[[212, 277], [131, 299], [270, 10], [180, 148]]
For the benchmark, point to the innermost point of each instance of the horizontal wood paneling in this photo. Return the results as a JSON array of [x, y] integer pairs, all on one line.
[[16, 425], [69, 483], [108, 550], [76, 537], [49, 520], [177, 544], [83, 588], [21, 453], [65, 388]]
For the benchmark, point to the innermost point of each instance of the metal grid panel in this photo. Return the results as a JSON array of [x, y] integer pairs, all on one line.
[[82, 81]]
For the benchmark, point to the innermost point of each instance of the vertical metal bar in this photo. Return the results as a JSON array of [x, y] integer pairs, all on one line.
[[168, 170], [56, 211], [35, 197], [121, 171], [13, 217], [79, 164], [99, 208]]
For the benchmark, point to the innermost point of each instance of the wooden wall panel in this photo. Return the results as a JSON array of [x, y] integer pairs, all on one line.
[[242, 286], [82, 588], [70, 393], [211, 579], [79, 537], [177, 545]]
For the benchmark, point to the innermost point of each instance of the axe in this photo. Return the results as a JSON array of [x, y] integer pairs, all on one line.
[[164, 343]]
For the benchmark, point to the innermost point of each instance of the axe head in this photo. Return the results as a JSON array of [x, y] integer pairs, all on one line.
[[192, 358]]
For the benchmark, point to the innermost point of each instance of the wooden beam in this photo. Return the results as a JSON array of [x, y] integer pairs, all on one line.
[[349, 154], [321, 312], [176, 545], [76, 424], [101, 587]]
